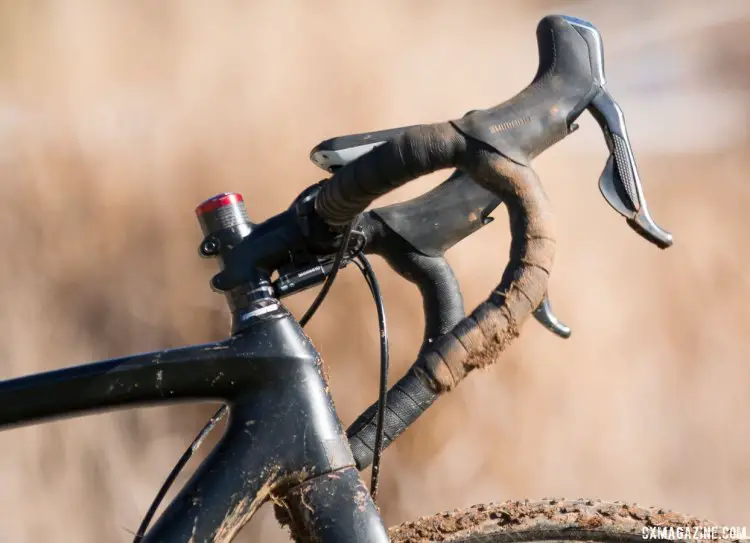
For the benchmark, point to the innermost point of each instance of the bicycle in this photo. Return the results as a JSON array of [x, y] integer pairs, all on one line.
[[284, 442]]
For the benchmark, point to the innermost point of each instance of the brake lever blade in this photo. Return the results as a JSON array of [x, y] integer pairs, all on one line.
[[544, 315], [619, 183]]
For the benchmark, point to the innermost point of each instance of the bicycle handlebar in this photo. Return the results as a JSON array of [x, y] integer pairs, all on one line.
[[494, 147], [476, 340], [492, 150]]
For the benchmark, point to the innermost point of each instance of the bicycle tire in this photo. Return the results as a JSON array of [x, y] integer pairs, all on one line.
[[545, 520]]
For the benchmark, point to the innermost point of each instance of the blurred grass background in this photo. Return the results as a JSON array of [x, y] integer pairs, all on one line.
[[117, 118]]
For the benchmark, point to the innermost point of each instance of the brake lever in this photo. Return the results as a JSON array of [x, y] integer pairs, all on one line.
[[619, 183]]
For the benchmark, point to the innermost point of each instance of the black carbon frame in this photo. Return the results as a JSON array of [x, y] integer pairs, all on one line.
[[284, 440]]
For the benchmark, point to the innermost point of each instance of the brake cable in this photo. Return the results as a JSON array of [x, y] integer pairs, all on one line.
[[212, 422], [369, 274], [364, 265], [329, 280]]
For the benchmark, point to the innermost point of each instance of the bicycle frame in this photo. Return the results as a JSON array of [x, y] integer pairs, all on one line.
[[284, 440]]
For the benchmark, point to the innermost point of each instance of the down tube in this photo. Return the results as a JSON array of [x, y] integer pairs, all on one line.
[[284, 442]]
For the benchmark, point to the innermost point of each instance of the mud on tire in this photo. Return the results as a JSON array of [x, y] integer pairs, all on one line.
[[545, 520]]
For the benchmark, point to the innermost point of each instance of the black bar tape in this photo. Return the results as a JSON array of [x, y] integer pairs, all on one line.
[[442, 301], [406, 402]]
